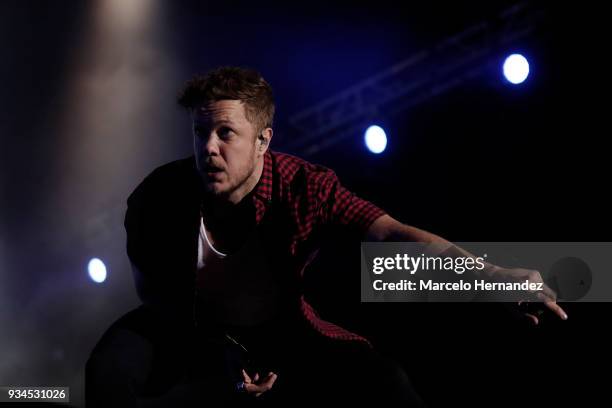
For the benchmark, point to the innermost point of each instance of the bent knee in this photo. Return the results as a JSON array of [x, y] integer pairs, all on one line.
[[120, 353], [391, 384]]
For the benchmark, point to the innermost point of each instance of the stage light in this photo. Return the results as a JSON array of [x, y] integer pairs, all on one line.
[[97, 270], [516, 68], [375, 139]]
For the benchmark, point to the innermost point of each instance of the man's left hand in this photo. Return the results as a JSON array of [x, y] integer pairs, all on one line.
[[547, 296]]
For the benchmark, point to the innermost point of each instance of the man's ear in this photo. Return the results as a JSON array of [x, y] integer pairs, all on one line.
[[263, 140]]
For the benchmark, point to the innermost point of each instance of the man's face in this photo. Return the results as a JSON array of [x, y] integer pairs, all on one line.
[[225, 146]]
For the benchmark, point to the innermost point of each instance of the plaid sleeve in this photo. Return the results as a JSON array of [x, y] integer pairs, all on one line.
[[339, 206]]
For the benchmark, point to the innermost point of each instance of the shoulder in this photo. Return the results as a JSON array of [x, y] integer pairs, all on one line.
[[295, 171], [167, 179]]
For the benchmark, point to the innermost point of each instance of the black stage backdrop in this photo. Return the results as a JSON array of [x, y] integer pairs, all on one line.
[[87, 110]]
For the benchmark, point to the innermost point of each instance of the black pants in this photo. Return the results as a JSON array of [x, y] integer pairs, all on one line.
[[146, 361]]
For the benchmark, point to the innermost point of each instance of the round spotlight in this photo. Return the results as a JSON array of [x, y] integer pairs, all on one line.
[[375, 139], [516, 69], [97, 270]]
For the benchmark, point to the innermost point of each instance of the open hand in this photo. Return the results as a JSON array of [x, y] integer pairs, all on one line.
[[255, 386], [546, 295]]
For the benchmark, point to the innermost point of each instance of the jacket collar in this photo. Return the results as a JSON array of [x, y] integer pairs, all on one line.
[[262, 193]]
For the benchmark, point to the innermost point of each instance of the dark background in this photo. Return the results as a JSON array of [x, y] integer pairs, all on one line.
[[88, 109]]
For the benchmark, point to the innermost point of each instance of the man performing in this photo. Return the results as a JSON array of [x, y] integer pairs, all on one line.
[[218, 244]]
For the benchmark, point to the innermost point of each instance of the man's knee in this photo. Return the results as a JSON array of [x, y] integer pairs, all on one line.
[[391, 372], [118, 365], [388, 382], [121, 358], [397, 386]]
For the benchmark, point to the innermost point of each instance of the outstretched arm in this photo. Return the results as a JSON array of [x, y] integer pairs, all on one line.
[[386, 228]]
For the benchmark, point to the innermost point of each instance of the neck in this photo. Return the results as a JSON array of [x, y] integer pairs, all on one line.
[[227, 221]]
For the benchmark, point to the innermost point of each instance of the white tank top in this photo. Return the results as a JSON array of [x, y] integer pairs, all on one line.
[[237, 289]]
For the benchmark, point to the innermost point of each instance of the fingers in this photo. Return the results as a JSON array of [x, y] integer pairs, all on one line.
[[544, 293], [548, 293], [245, 376], [558, 310], [265, 385], [533, 318], [269, 380], [551, 305], [548, 297], [252, 387]]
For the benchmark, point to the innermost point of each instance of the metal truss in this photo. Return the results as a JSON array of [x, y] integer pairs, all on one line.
[[414, 80]]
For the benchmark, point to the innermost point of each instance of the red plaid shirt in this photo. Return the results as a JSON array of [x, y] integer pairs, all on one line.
[[314, 196], [162, 224]]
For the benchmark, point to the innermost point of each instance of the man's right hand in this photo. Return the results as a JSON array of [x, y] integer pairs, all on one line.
[[255, 386]]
